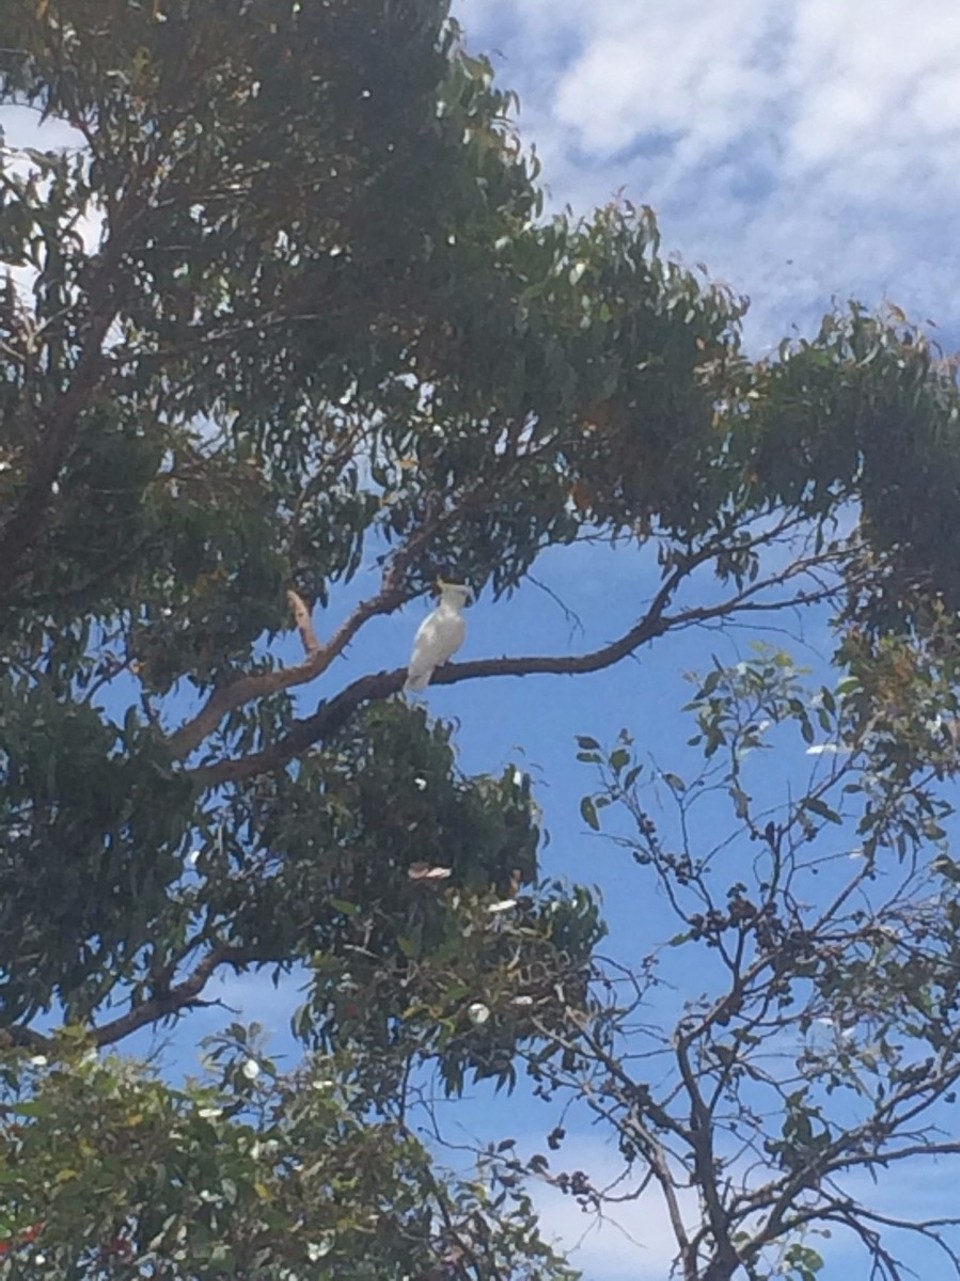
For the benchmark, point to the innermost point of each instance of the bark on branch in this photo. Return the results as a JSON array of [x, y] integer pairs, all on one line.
[[333, 715], [181, 996], [393, 593], [262, 684]]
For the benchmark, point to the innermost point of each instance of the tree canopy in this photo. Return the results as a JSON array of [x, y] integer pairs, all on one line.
[[288, 304]]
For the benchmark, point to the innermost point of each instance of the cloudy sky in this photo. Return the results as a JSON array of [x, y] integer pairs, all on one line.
[[800, 148], [806, 151]]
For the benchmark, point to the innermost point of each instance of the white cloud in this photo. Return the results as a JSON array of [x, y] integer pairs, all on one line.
[[22, 127], [634, 1238], [803, 150], [254, 998], [637, 78]]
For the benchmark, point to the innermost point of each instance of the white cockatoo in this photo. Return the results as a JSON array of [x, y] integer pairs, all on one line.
[[439, 636]]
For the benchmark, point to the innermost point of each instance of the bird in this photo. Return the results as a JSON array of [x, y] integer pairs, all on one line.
[[439, 636]]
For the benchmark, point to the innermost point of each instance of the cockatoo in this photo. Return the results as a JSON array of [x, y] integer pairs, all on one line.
[[439, 636]]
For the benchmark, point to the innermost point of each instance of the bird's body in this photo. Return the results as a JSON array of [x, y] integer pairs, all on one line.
[[438, 637]]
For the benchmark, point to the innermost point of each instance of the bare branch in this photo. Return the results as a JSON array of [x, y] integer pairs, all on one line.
[[182, 996], [332, 715], [262, 684], [701, 1135]]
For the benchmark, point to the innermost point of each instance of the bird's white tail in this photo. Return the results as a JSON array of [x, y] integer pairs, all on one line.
[[413, 684]]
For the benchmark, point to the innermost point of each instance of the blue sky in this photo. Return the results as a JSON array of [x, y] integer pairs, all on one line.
[[805, 151], [801, 149]]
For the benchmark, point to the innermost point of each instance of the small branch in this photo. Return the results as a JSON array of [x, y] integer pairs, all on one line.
[[180, 997], [572, 617], [331, 716], [262, 684], [394, 593], [200, 342], [109, 573]]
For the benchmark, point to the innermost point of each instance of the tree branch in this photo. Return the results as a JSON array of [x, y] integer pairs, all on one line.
[[393, 593], [332, 715], [181, 996], [726, 1258], [262, 684]]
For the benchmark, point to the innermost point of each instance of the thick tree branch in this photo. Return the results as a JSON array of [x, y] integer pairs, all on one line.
[[333, 715], [262, 684], [181, 996], [393, 593], [23, 1037]]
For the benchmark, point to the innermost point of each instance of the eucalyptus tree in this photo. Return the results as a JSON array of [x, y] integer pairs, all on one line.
[[287, 304]]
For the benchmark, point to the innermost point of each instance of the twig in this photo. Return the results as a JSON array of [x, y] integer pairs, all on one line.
[[572, 617]]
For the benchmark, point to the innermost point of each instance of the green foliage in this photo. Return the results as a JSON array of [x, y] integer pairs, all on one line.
[[214, 392], [867, 412], [93, 821], [108, 1172], [288, 307], [820, 921]]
